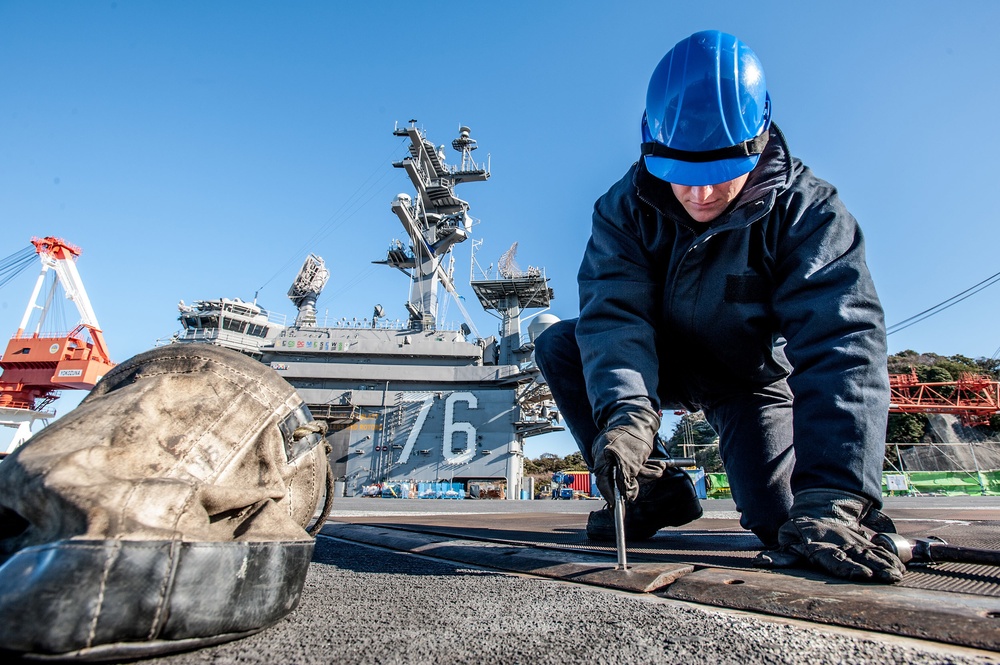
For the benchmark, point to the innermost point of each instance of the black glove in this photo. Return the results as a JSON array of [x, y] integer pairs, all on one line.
[[625, 443], [824, 531]]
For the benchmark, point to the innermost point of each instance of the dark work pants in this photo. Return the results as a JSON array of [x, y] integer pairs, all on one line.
[[755, 432]]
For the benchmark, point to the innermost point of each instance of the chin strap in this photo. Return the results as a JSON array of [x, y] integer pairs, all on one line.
[[750, 147], [747, 148]]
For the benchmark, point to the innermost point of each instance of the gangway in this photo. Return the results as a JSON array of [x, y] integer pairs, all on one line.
[[37, 364]]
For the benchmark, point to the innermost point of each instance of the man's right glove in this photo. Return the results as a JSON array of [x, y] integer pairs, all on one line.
[[625, 443], [824, 531]]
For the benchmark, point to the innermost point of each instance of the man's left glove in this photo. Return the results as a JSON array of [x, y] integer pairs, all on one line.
[[625, 443], [824, 530]]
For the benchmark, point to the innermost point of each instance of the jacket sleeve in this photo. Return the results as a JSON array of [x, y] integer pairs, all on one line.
[[619, 297], [831, 317]]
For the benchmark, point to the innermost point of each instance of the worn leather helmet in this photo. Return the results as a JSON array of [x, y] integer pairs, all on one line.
[[167, 511], [707, 111]]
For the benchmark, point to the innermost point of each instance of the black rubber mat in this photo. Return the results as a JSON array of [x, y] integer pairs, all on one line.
[[722, 545]]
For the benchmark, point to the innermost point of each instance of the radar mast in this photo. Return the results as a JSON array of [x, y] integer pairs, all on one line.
[[510, 293], [435, 220]]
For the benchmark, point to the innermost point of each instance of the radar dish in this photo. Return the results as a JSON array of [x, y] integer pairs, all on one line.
[[507, 266]]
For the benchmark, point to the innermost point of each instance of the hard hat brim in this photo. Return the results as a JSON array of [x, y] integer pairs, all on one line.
[[698, 174]]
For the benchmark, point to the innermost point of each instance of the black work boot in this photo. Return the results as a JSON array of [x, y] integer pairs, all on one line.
[[666, 498]]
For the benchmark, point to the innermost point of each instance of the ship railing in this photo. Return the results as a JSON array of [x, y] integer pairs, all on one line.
[[345, 322], [41, 335], [493, 273], [275, 317], [397, 324], [20, 405], [221, 335], [234, 308]]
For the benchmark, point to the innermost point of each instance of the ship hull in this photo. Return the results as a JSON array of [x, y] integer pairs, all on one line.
[[407, 408]]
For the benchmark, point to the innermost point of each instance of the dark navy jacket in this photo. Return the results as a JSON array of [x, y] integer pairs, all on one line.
[[677, 312]]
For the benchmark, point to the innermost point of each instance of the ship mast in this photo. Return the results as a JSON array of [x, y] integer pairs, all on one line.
[[435, 221]]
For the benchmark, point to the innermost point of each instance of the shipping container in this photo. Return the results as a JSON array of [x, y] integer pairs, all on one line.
[[580, 481]]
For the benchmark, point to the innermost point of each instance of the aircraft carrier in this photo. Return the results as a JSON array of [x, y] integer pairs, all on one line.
[[416, 408]]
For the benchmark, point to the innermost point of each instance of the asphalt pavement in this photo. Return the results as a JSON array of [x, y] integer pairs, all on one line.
[[365, 603]]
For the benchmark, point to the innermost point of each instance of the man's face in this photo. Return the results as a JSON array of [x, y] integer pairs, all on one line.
[[706, 202]]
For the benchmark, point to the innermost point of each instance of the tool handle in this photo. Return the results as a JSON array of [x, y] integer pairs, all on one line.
[[954, 553], [619, 521], [927, 550]]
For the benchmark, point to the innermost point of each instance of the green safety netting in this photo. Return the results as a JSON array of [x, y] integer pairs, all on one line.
[[910, 483], [942, 482], [717, 486]]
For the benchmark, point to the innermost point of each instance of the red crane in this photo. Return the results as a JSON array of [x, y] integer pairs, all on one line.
[[37, 364], [973, 397]]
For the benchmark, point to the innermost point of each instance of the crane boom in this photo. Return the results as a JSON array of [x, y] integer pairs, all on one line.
[[59, 255], [974, 398], [36, 365]]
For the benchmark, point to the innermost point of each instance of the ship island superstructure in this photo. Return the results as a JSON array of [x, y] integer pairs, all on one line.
[[410, 403]]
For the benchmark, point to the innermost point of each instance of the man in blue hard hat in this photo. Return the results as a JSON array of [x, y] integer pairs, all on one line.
[[722, 275]]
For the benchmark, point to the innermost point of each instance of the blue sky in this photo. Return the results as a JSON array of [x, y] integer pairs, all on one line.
[[200, 150]]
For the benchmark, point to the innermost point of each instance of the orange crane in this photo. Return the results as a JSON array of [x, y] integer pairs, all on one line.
[[37, 364], [973, 397]]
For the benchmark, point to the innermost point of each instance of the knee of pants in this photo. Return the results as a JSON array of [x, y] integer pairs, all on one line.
[[755, 431], [556, 348], [763, 506], [764, 519]]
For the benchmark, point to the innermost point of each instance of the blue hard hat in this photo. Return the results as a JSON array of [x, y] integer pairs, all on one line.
[[707, 111]]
